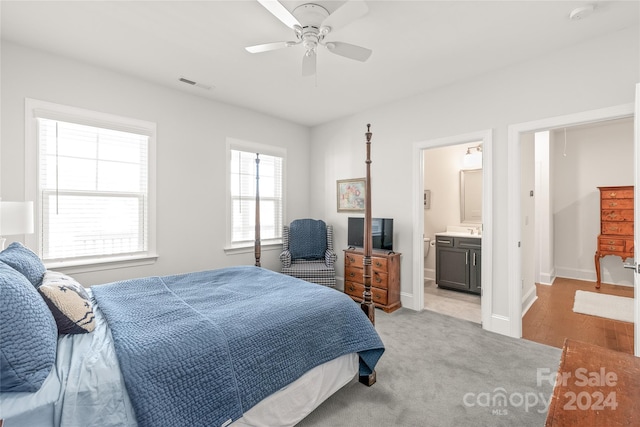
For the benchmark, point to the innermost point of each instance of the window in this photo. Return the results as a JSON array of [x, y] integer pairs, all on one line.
[[93, 188], [242, 191]]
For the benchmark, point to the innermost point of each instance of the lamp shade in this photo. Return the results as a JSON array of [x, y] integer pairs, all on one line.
[[16, 218]]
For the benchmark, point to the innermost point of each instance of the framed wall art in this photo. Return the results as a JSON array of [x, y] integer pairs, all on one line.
[[351, 194]]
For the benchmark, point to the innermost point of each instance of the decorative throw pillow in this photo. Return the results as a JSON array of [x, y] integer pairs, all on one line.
[[307, 239], [25, 261], [69, 303], [28, 334]]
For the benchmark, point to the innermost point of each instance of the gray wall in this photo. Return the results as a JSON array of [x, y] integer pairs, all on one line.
[[191, 138], [597, 74]]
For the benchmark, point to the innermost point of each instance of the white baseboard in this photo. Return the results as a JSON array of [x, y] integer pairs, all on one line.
[[528, 300], [590, 276], [500, 325], [430, 273]]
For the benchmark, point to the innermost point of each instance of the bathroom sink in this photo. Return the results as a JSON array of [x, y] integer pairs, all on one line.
[[458, 234], [458, 231]]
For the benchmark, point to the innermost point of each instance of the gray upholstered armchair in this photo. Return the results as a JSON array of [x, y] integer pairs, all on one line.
[[307, 251]]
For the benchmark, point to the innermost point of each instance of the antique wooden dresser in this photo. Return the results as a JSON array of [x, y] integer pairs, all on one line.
[[616, 225], [385, 278]]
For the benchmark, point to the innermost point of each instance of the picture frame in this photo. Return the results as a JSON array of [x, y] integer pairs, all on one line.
[[350, 194]]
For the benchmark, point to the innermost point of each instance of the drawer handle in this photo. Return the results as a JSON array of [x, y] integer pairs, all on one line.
[[448, 242], [611, 248], [612, 204], [351, 259], [611, 242], [378, 264], [378, 280], [376, 296], [614, 228], [612, 194], [352, 288], [612, 216], [352, 274]]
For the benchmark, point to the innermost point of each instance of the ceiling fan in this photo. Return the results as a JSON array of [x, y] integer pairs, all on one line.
[[311, 23]]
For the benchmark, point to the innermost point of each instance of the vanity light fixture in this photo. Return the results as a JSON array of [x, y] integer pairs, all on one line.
[[473, 158]]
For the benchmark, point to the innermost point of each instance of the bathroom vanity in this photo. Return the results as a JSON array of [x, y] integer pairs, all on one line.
[[458, 261]]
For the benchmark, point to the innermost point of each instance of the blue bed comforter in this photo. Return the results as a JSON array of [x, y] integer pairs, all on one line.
[[199, 349]]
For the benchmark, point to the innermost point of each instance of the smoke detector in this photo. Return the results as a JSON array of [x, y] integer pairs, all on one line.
[[581, 12]]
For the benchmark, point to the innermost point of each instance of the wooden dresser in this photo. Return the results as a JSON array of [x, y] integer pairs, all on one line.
[[616, 225], [385, 278]]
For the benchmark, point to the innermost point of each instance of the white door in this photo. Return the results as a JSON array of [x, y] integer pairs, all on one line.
[[636, 228]]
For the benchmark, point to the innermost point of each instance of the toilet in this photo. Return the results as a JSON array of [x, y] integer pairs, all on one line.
[[427, 245]]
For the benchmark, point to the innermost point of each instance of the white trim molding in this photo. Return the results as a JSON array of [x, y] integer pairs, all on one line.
[[514, 267]]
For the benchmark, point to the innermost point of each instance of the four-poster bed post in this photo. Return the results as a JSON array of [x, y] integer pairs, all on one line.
[[367, 303], [256, 247]]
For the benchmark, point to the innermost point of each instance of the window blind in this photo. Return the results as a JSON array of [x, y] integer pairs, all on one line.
[[93, 191], [243, 192]]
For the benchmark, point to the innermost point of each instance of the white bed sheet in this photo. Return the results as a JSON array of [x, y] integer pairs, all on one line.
[[86, 388]]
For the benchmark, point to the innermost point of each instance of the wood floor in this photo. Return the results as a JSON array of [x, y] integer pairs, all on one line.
[[551, 318]]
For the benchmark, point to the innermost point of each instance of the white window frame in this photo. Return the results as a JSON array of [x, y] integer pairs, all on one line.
[[252, 147], [35, 109]]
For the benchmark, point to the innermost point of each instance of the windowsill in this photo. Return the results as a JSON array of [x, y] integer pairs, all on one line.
[[245, 249], [98, 264]]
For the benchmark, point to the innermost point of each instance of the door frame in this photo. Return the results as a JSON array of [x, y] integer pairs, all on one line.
[[514, 268], [486, 136]]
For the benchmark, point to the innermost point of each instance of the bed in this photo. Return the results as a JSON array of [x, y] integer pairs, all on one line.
[[238, 346]]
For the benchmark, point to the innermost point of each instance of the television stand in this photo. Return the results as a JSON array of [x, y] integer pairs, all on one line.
[[385, 277]]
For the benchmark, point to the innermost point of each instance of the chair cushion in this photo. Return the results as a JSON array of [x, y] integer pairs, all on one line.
[[307, 239]]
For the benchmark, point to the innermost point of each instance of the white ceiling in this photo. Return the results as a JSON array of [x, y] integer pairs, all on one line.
[[417, 46]]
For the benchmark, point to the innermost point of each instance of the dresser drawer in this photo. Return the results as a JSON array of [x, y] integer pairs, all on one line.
[[617, 193], [379, 279], [379, 264], [353, 260], [617, 228], [606, 204], [379, 296], [611, 248], [353, 274], [617, 215]]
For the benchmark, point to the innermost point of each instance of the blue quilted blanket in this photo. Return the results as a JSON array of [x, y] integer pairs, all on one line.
[[199, 349]]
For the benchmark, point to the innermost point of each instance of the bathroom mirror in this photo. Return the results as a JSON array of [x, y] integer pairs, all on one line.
[[471, 196]]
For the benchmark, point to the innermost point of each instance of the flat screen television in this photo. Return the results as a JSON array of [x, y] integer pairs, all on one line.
[[381, 233]]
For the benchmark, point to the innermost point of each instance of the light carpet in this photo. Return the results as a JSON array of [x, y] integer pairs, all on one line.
[[439, 371], [603, 305]]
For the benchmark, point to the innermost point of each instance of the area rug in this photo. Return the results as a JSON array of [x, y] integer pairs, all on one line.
[[603, 305]]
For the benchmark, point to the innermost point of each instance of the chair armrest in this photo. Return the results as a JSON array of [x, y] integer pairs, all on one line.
[[330, 257], [285, 258]]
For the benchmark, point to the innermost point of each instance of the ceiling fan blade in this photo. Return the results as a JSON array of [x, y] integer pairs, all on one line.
[[267, 47], [309, 64], [280, 12], [350, 51], [348, 12]]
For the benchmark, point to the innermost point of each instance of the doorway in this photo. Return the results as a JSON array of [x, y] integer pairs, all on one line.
[[419, 217], [516, 133], [452, 201], [561, 170]]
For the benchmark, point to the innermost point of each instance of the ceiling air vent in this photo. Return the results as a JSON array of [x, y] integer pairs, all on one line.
[[196, 84]]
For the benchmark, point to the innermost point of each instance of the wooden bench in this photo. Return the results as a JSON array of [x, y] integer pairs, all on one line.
[[595, 386]]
